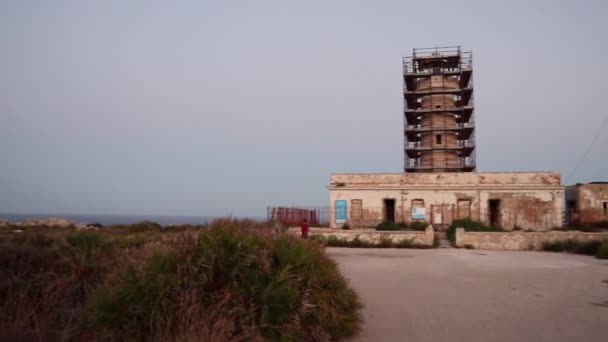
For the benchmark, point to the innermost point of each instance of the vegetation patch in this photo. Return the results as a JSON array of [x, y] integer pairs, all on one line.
[[230, 280], [599, 226], [596, 248], [469, 226], [384, 242]]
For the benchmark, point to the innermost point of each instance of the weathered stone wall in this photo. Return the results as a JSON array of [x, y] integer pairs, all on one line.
[[453, 179], [519, 240], [423, 238], [591, 199], [527, 200], [587, 203]]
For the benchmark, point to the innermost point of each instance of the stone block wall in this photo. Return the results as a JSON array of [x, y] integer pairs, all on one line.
[[423, 238], [518, 241]]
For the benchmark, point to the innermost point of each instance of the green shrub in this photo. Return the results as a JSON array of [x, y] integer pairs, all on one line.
[[271, 280], [574, 246], [234, 280], [418, 225], [470, 226], [553, 246], [587, 247], [318, 237], [387, 226], [134, 302], [586, 227], [403, 225], [602, 252]]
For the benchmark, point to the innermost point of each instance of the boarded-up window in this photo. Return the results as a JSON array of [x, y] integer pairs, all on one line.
[[356, 207], [418, 210], [464, 209]]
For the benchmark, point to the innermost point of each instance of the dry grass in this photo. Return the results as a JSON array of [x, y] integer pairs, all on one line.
[[229, 281]]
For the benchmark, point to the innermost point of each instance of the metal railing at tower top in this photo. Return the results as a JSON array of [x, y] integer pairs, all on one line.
[[459, 60]]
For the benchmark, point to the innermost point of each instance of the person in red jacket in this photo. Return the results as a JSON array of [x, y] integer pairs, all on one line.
[[304, 229]]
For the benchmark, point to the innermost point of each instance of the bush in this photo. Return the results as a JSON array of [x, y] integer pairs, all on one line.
[[387, 226], [346, 226], [267, 279], [586, 227], [419, 225], [553, 246], [470, 226], [588, 247], [575, 246], [602, 252], [234, 280]]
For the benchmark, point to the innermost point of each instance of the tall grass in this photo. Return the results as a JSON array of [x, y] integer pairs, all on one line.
[[231, 280]]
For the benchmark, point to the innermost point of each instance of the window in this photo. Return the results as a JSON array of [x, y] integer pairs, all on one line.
[[605, 208], [356, 209], [418, 210], [464, 209], [438, 139]]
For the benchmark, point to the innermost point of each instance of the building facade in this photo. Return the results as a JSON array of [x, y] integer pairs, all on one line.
[[527, 200], [587, 203]]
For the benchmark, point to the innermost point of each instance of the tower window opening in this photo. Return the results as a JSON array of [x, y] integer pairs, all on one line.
[[438, 139]]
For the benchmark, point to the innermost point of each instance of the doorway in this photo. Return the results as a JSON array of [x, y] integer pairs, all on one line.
[[389, 209], [494, 207]]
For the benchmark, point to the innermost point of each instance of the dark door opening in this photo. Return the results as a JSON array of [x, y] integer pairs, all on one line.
[[389, 210], [494, 206]]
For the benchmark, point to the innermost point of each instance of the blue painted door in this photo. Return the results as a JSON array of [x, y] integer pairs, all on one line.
[[340, 215]]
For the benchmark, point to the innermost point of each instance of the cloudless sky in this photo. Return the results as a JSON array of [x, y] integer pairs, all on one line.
[[218, 107]]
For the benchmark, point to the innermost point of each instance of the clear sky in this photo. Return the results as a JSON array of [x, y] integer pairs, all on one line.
[[210, 108]]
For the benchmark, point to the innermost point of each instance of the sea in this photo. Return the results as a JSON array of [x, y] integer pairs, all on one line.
[[107, 219]]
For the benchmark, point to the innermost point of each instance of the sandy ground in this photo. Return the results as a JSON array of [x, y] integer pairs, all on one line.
[[472, 295]]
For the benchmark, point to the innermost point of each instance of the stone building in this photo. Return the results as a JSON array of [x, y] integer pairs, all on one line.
[[440, 183], [587, 203], [528, 200]]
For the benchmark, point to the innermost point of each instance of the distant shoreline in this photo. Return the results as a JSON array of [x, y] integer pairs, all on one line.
[[109, 219]]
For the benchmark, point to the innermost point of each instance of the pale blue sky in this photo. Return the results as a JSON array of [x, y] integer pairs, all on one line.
[[209, 108]]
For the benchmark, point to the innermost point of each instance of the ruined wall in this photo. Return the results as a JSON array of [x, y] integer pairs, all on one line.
[[423, 238], [451, 179], [519, 240], [591, 202], [527, 200]]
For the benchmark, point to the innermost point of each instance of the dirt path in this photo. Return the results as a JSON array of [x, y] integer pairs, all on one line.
[[469, 295]]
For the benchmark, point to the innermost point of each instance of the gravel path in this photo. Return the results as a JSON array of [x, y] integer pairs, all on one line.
[[471, 295]]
